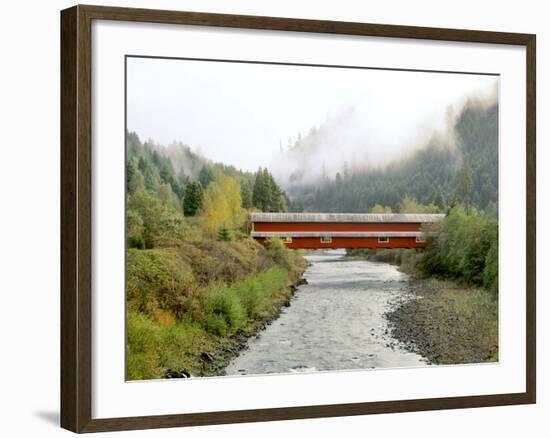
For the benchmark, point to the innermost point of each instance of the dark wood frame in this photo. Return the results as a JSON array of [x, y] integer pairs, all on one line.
[[76, 225]]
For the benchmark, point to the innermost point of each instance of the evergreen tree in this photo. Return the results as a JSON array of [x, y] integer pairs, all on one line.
[[246, 194], [338, 181], [131, 174], [465, 186], [193, 198], [261, 192], [439, 199], [223, 234], [206, 176], [271, 202]]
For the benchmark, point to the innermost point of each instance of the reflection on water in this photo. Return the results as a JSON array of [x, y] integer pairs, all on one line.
[[336, 322]]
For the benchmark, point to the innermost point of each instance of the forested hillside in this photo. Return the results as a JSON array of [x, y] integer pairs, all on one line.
[[195, 278], [459, 167]]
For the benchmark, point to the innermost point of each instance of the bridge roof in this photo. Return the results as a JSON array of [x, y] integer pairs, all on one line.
[[348, 217]]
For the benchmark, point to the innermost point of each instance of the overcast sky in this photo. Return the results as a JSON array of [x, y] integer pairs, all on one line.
[[238, 113]]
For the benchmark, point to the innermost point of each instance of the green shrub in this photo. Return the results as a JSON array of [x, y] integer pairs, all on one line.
[[182, 344], [157, 278], [159, 224], [143, 338], [258, 293], [226, 262], [278, 252], [229, 308], [225, 313], [461, 248], [134, 230], [152, 348]]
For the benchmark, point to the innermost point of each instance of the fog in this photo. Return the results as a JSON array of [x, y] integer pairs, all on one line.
[[246, 114]]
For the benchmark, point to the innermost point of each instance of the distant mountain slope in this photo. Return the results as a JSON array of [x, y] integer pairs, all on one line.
[[431, 174]]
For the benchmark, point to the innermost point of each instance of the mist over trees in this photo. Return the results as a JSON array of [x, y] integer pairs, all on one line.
[[195, 276], [459, 167]]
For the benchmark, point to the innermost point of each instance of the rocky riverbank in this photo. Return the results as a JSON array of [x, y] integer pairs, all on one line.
[[446, 323], [214, 362]]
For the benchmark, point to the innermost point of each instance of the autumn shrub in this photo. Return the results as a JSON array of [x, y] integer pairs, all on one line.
[[227, 262], [165, 318]]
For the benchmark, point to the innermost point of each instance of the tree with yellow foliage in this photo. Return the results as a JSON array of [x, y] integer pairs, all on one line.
[[377, 208], [410, 205], [222, 205]]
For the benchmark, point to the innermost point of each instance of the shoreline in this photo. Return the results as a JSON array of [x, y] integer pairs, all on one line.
[[440, 319], [214, 362], [446, 323]]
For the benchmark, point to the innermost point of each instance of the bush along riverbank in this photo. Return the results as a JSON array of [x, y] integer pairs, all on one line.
[[451, 313], [182, 322]]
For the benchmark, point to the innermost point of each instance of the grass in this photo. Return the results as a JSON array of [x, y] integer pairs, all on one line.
[[477, 312], [152, 347]]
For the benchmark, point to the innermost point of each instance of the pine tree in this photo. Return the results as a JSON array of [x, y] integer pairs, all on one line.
[[266, 194], [257, 190], [223, 234], [246, 194], [261, 196], [465, 186], [193, 198], [206, 176], [439, 199], [131, 174], [338, 181]]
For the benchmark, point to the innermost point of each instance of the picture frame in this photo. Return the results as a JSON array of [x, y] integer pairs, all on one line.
[[77, 238]]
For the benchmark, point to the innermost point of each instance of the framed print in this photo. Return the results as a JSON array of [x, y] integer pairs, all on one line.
[[269, 218]]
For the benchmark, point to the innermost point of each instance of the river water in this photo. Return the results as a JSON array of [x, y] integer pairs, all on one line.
[[335, 322]]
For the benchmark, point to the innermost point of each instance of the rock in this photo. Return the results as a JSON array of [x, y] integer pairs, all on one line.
[[173, 374], [207, 357]]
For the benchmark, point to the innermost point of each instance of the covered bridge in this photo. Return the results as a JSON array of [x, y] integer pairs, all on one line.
[[344, 230]]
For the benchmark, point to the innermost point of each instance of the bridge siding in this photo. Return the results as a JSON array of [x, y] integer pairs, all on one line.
[[351, 243], [281, 223], [334, 226]]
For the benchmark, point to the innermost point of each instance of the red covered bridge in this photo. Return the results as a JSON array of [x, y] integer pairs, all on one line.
[[344, 230]]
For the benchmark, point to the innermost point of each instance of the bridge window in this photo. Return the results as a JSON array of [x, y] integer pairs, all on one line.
[[420, 239], [383, 239], [287, 239], [326, 239]]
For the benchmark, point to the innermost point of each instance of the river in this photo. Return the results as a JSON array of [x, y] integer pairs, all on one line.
[[335, 322]]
